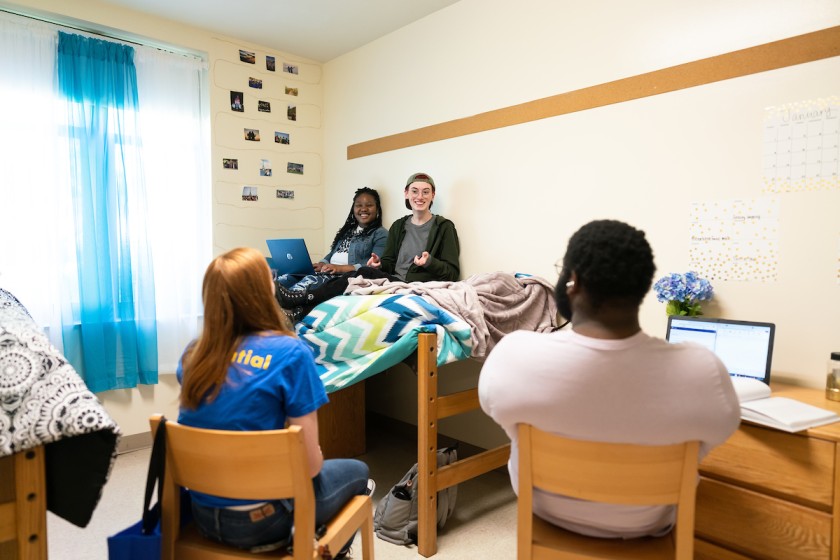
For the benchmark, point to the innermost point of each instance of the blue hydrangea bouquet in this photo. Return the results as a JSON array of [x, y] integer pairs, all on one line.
[[683, 292]]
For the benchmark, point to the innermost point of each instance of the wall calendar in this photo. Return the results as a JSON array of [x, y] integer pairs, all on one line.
[[802, 146]]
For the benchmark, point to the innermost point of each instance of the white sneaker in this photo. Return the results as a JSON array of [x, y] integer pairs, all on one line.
[[371, 486]]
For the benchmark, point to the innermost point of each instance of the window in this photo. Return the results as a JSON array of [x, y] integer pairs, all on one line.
[[164, 155]]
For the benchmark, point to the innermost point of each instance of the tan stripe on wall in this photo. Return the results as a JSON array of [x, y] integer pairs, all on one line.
[[770, 56]]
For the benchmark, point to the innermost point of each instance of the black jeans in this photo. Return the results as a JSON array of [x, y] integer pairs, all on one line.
[[336, 286]]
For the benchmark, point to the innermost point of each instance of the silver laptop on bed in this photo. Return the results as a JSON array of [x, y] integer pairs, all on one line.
[[744, 347], [290, 256]]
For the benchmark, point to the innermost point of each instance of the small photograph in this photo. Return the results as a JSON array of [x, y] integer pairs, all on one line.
[[255, 83], [250, 194], [290, 68], [236, 103], [264, 106], [229, 163], [283, 193], [296, 168], [265, 168], [247, 56], [281, 137], [269, 63], [252, 134], [291, 91], [291, 112]]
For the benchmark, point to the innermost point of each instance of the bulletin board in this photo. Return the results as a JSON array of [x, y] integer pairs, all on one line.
[[267, 121]]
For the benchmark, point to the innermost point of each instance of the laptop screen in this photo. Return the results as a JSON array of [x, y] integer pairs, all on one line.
[[744, 347]]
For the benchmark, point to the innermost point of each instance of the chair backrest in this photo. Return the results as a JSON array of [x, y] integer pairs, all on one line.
[[260, 465], [614, 473]]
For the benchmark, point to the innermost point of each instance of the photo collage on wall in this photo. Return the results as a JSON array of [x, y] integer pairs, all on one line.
[[255, 88]]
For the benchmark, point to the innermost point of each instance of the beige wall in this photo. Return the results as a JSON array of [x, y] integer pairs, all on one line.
[[517, 193], [235, 222]]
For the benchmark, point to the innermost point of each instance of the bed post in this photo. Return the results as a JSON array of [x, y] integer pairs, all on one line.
[[427, 435], [23, 505], [431, 408]]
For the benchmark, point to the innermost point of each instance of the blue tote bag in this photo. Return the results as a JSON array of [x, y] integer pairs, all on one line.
[[141, 541]]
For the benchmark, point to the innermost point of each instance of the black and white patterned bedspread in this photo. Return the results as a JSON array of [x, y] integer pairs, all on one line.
[[42, 398]]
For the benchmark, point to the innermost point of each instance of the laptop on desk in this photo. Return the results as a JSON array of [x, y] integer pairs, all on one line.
[[744, 347], [290, 256]]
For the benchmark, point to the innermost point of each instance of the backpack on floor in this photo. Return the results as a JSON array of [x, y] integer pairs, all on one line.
[[395, 519]]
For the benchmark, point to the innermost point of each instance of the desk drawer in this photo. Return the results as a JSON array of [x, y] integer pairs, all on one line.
[[707, 551], [788, 466], [760, 526], [341, 423]]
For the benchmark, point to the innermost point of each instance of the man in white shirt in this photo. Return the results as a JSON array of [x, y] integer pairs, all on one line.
[[605, 379]]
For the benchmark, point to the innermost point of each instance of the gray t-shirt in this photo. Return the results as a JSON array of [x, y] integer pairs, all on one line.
[[413, 244]]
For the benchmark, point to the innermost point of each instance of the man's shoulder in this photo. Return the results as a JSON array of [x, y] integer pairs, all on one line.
[[694, 357], [515, 340]]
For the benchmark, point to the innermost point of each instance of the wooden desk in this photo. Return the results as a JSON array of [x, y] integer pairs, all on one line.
[[772, 494]]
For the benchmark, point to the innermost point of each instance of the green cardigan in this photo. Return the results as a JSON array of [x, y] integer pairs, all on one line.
[[443, 248]]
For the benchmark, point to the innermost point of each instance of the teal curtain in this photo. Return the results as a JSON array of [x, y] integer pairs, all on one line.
[[109, 331]]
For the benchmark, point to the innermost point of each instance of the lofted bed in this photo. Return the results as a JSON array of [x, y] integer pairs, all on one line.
[[378, 324]]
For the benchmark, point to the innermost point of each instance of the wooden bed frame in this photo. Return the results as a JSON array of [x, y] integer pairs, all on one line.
[[341, 427], [431, 408], [23, 505]]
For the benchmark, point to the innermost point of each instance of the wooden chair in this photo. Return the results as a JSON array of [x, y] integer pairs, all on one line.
[[604, 472], [23, 505], [249, 465]]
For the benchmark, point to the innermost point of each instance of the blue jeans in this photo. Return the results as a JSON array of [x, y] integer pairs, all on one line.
[[338, 481]]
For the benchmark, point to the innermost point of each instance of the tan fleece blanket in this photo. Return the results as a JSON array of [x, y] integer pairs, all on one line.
[[493, 303]]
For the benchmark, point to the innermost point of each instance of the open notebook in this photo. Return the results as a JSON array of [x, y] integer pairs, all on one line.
[[746, 349], [782, 413]]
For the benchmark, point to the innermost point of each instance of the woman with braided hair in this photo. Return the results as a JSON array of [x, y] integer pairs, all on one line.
[[360, 235]]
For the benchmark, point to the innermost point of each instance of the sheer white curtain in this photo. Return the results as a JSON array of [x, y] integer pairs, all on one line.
[[35, 217], [174, 123], [33, 194]]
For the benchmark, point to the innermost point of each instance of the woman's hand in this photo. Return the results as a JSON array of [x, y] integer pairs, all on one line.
[[374, 261], [422, 259], [318, 266], [336, 268]]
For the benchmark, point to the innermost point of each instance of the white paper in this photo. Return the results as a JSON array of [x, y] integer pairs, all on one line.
[[749, 389], [786, 414], [735, 239]]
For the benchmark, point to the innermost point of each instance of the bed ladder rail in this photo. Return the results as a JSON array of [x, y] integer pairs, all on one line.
[[431, 408]]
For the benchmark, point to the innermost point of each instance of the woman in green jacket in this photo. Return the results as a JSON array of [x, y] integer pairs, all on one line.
[[421, 246]]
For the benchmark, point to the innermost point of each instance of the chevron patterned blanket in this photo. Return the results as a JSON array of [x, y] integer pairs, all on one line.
[[356, 337]]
